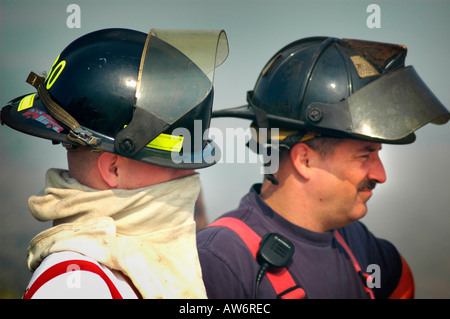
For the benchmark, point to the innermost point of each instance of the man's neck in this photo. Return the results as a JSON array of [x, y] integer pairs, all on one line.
[[291, 204]]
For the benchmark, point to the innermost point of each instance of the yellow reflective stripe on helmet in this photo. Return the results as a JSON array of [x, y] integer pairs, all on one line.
[[308, 136], [26, 102], [282, 134], [167, 142]]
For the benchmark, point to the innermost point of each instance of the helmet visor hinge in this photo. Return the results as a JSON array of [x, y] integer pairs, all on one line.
[[143, 128]]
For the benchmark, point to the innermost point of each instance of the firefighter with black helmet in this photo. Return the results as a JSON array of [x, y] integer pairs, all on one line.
[[325, 106], [129, 107]]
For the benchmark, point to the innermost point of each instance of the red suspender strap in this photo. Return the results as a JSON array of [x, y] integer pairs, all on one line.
[[61, 268], [282, 281], [405, 288], [358, 269]]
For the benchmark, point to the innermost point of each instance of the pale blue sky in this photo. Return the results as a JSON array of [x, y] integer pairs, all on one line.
[[412, 209]]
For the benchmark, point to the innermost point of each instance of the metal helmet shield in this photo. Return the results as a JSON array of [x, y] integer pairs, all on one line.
[[91, 96], [343, 88]]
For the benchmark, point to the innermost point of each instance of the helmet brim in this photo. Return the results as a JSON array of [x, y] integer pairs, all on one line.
[[244, 112], [28, 115]]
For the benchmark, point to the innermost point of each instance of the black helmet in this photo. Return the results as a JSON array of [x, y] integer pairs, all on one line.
[[126, 92], [341, 88]]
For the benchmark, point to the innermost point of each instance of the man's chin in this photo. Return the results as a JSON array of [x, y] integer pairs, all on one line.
[[359, 212]]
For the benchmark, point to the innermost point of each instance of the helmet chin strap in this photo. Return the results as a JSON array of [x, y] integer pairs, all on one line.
[[261, 122], [77, 134]]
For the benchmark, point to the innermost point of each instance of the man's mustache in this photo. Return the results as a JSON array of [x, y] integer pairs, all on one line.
[[367, 184]]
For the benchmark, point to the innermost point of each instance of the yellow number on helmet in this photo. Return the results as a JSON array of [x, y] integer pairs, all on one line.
[[55, 72]]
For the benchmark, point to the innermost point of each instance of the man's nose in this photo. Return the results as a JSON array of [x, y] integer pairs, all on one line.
[[377, 172]]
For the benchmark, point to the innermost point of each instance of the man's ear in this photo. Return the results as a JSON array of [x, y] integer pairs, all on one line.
[[108, 167], [300, 157]]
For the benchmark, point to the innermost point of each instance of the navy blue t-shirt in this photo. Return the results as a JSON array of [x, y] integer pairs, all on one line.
[[319, 265]]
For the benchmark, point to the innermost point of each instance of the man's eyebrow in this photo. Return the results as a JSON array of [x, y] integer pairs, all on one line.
[[370, 148]]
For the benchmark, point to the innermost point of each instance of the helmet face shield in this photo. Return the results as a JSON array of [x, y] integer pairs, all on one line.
[[388, 109], [395, 106], [175, 76], [177, 70]]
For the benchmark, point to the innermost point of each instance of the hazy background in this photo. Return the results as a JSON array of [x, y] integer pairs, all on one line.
[[412, 209]]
